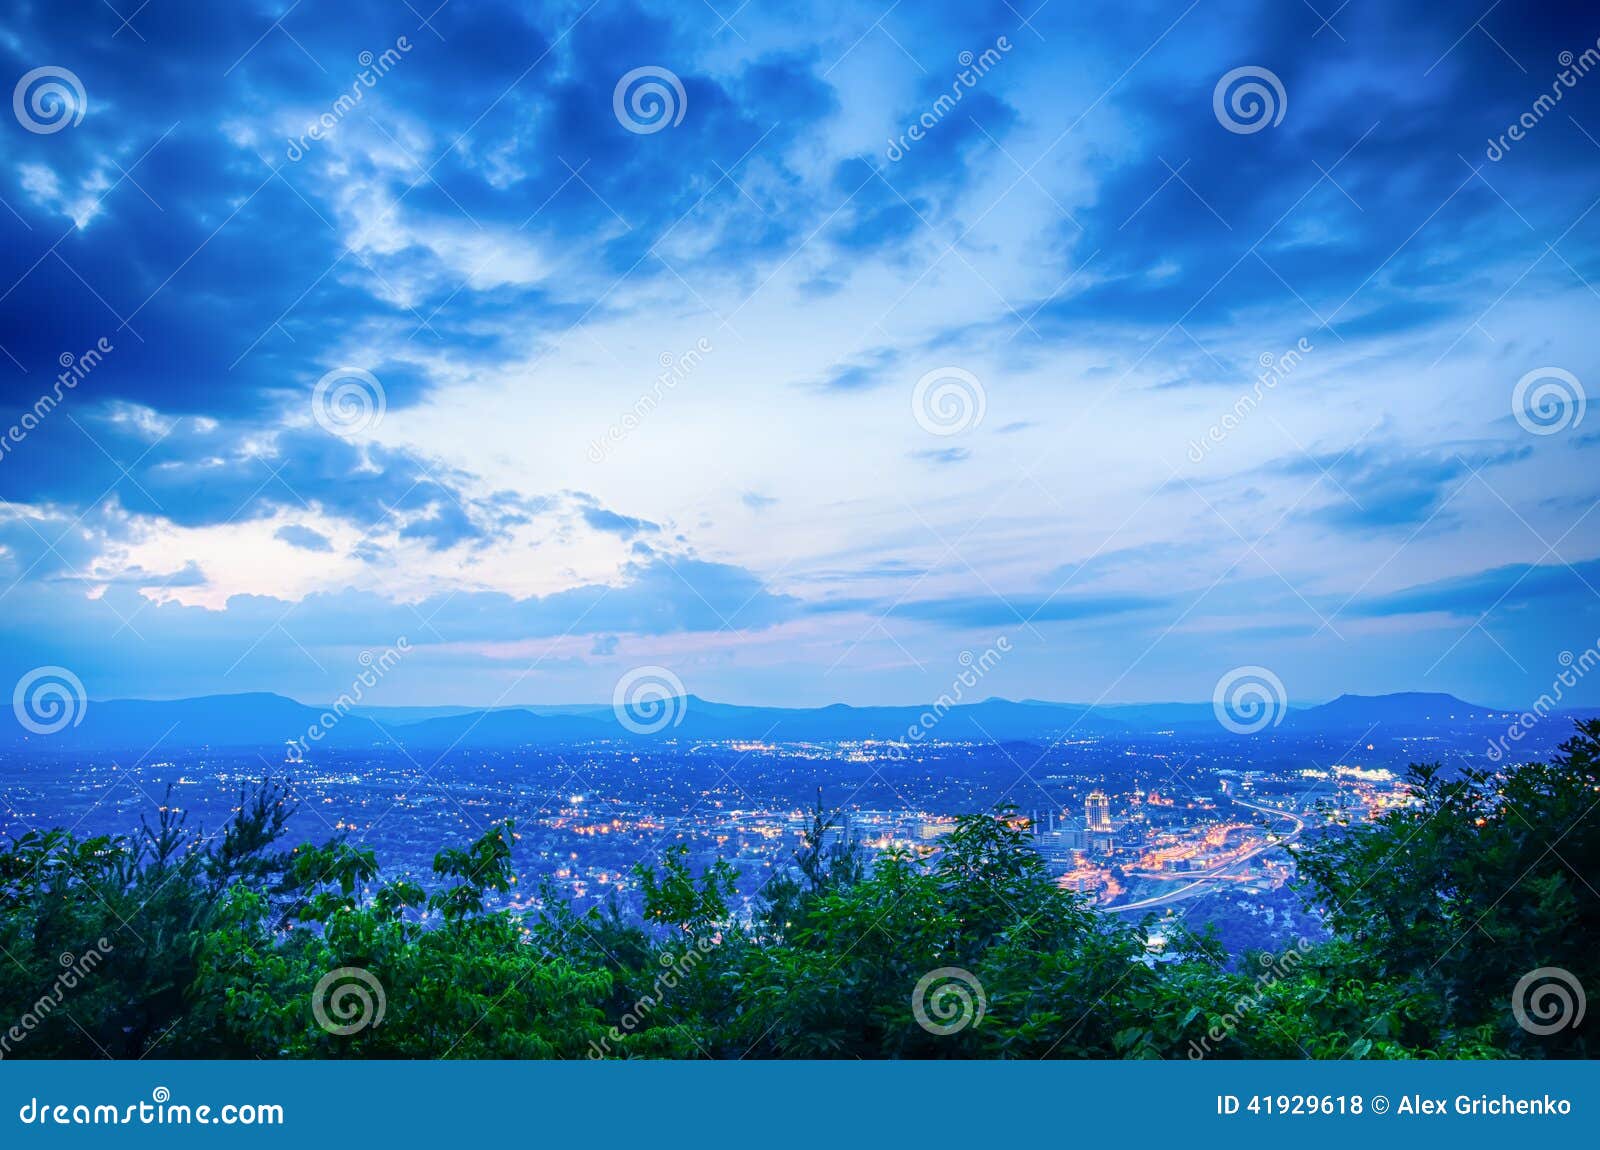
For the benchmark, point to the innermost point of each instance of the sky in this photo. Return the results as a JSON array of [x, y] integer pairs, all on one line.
[[800, 353]]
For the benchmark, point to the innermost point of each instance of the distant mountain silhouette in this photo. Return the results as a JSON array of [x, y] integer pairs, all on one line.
[[266, 722], [1405, 709], [143, 726], [497, 729], [1160, 716]]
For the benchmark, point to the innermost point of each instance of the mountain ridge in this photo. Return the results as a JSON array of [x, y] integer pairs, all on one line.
[[266, 719]]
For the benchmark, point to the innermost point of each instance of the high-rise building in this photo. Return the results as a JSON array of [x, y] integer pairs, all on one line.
[[1097, 812]]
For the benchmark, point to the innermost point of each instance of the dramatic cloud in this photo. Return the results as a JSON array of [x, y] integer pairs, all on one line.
[[869, 337]]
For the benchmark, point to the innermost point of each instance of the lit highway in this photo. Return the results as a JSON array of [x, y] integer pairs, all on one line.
[[1212, 879]]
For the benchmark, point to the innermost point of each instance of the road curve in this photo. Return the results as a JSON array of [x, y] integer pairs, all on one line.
[[1208, 882]]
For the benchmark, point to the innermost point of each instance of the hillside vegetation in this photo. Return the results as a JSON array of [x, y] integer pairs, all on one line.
[[172, 944]]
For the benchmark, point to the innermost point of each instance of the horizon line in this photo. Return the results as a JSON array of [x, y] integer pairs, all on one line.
[[487, 708]]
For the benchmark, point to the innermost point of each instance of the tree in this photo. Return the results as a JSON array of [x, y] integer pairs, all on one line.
[[824, 865], [170, 942], [1487, 877]]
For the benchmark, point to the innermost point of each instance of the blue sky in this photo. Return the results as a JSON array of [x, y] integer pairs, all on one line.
[[788, 371]]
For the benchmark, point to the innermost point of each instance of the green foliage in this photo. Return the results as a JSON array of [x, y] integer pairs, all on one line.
[[1490, 876], [821, 865], [230, 946]]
